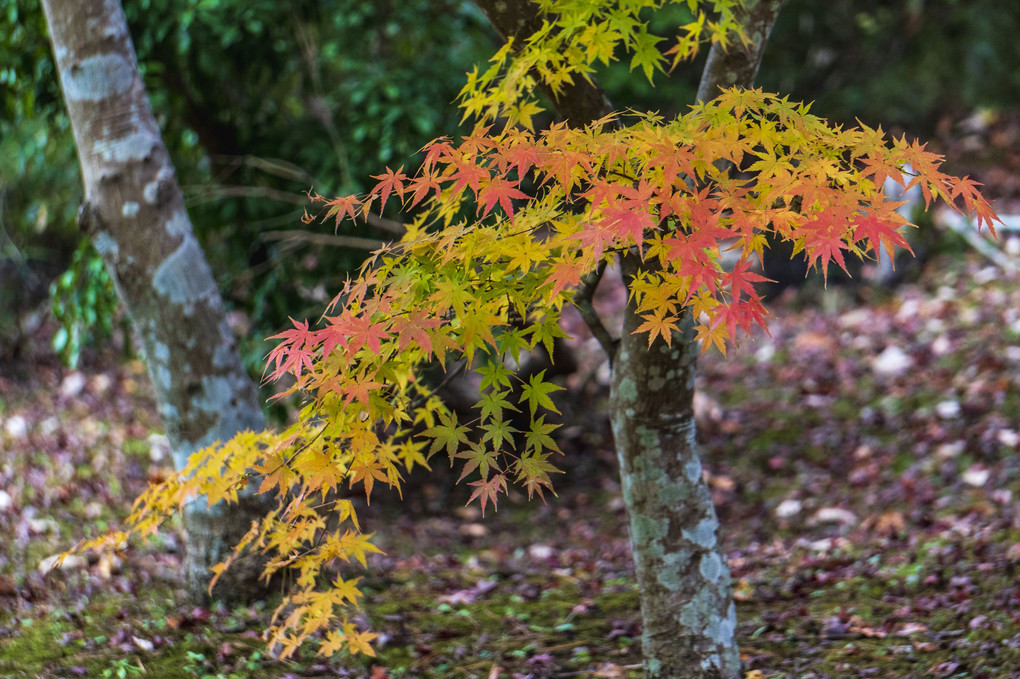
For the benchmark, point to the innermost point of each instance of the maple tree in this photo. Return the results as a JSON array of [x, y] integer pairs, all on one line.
[[509, 225]]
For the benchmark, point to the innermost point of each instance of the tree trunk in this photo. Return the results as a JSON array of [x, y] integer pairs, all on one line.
[[134, 213], [687, 610]]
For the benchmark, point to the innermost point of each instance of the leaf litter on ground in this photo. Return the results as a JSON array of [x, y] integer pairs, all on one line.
[[863, 462]]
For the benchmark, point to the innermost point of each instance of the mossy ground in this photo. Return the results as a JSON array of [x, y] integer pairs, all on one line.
[[870, 517]]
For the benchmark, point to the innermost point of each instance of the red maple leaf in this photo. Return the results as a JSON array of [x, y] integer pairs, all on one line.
[[879, 233], [823, 240], [341, 207], [502, 190], [294, 353], [488, 490], [389, 181], [366, 332], [741, 281]]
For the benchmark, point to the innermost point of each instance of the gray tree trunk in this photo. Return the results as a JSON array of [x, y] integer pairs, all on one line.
[[134, 213], [687, 610]]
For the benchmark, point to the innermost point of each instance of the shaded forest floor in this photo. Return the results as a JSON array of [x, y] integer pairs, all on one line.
[[864, 462]]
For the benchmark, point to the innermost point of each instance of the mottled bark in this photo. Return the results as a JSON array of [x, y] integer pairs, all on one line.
[[738, 66], [134, 213], [687, 609]]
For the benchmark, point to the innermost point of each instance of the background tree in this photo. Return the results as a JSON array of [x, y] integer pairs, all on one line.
[[134, 212], [550, 211], [297, 95]]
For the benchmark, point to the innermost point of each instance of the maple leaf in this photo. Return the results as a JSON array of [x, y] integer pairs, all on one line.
[[879, 233], [321, 471], [389, 181], [823, 241], [500, 433], [341, 207], [536, 393], [364, 331], [502, 190], [294, 353], [422, 184], [346, 590], [713, 334], [488, 490], [414, 328], [741, 280], [359, 387], [538, 438], [466, 174], [534, 469], [478, 457], [359, 642], [448, 434], [659, 324], [367, 472], [492, 404]]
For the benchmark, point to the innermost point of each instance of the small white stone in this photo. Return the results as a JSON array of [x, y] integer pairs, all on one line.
[[72, 385], [976, 476], [1008, 437], [765, 353], [892, 362], [159, 447], [948, 410], [834, 515], [40, 526], [540, 552], [946, 451], [16, 427], [789, 508], [941, 346], [986, 275], [143, 644], [1013, 246]]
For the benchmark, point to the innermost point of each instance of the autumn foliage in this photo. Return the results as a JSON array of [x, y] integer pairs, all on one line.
[[505, 225]]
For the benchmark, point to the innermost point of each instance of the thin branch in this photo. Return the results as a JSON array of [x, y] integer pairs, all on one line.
[[311, 238], [394, 227], [582, 300], [203, 193]]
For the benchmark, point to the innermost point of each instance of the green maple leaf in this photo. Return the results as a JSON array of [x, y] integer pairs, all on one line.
[[538, 436], [534, 470], [478, 457], [447, 434], [494, 374], [493, 403], [536, 393], [499, 432]]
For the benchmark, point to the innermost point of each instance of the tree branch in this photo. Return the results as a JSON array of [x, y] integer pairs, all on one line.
[[582, 300], [739, 66], [312, 238]]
